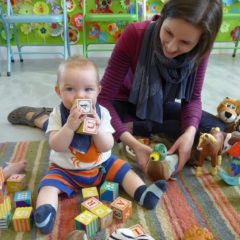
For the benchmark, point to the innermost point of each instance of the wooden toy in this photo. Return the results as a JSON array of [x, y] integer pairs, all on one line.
[[22, 219], [137, 230], [16, 182], [197, 233], [89, 126], [88, 222], [5, 206], [89, 204], [108, 191], [89, 192], [5, 221], [210, 144], [2, 179], [122, 209], [85, 104], [23, 199], [105, 215]]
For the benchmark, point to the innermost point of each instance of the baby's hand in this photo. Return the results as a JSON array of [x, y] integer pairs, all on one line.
[[96, 117], [75, 118]]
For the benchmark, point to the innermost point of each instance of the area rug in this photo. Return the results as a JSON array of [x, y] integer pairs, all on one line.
[[204, 201]]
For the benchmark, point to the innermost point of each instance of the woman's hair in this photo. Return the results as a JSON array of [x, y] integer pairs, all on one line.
[[204, 14], [76, 61]]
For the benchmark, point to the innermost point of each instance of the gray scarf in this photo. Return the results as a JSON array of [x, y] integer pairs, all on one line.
[[157, 79]]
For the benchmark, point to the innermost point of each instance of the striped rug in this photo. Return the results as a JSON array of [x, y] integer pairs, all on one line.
[[205, 201]]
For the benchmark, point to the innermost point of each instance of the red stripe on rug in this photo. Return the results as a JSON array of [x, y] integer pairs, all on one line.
[[222, 202], [20, 151], [180, 208]]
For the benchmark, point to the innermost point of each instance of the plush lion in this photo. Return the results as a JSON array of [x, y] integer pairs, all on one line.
[[229, 111]]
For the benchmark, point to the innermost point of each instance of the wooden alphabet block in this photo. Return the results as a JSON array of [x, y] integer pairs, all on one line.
[[88, 222], [89, 126], [5, 221], [89, 192], [137, 230], [5, 206], [105, 215], [16, 182], [109, 191], [89, 204], [85, 104], [22, 219], [23, 199], [122, 209]]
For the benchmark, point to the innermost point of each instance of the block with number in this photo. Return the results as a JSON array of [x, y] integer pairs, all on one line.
[[23, 199], [109, 191], [22, 219], [16, 182], [88, 222], [89, 192], [122, 209], [89, 204], [89, 126], [137, 230], [105, 215]]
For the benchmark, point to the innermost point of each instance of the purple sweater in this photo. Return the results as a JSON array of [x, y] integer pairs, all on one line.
[[117, 80]]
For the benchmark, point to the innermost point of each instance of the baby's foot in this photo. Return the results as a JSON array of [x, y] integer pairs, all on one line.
[[14, 168]]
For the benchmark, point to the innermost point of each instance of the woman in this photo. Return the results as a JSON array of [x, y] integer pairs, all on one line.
[[153, 64]]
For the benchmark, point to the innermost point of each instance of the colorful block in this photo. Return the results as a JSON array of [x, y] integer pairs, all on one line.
[[105, 215], [122, 208], [109, 191], [89, 192], [5, 206], [137, 230], [16, 182], [2, 179], [88, 222], [89, 204], [22, 219], [3, 191], [85, 104], [89, 126], [23, 199], [5, 221]]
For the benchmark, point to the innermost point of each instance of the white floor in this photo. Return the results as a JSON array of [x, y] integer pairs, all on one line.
[[32, 84]]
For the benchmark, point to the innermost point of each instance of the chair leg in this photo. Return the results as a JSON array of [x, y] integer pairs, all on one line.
[[9, 51], [236, 45], [17, 42]]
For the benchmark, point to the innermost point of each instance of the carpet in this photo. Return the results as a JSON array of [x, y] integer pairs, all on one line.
[[205, 201]]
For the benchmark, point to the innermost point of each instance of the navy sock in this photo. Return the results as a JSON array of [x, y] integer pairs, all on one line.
[[44, 217], [148, 196]]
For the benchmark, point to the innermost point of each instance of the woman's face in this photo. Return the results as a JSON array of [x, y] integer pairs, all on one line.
[[178, 37]]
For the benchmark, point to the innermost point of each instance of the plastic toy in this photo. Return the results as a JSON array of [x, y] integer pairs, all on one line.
[[210, 144], [197, 233]]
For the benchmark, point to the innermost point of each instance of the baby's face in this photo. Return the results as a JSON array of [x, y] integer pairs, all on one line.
[[78, 83]]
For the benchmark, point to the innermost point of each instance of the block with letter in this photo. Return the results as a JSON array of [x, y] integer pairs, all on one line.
[[89, 192], [89, 204], [23, 199], [16, 182], [89, 126], [85, 104], [88, 222], [22, 219], [109, 191], [137, 230], [122, 209], [105, 215]]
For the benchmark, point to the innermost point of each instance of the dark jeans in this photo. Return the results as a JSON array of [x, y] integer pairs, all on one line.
[[171, 125]]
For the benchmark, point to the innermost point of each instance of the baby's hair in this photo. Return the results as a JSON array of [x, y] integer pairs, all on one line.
[[77, 61]]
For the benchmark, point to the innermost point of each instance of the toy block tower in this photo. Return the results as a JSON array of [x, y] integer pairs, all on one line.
[[88, 222], [16, 182], [122, 208], [89, 204], [105, 215], [89, 192], [109, 191], [23, 199], [22, 219]]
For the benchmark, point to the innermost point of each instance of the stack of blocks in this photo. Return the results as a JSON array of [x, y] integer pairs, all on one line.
[[23, 215], [95, 212], [5, 204]]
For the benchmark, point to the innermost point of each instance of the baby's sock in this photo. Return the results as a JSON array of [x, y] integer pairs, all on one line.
[[148, 196], [44, 217]]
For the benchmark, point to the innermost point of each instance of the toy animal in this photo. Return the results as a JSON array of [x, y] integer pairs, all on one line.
[[197, 233], [228, 111], [210, 144]]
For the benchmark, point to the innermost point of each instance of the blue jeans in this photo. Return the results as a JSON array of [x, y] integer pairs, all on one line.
[[171, 125]]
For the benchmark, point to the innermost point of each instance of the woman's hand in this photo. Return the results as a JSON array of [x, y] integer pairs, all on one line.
[[183, 146]]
